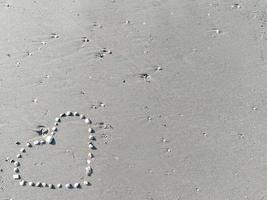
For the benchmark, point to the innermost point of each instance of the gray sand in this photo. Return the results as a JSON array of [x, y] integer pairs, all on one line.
[[184, 88]]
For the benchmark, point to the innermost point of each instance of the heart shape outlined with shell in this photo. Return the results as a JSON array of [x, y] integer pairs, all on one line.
[[48, 139]]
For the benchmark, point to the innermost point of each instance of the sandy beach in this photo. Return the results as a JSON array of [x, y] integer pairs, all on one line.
[[172, 92]]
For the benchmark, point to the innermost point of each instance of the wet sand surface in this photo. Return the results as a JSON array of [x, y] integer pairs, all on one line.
[[180, 85]]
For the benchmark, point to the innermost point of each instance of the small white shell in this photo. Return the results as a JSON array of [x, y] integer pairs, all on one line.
[[16, 170], [38, 184], [91, 137], [31, 184], [44, 184], [62, 115], [49, 139], [90, 130], [91, 146], [88, 171], [90, 155], [53, 133], [56, 124], [76, 114], [51, 186], [54, 129], [59, 185], [68, 186], [19, 155], [42, 142], [69, 113], [86, 183], [16, 164], [87, 121], [29, 144], [88, 162], [22, 183], [36, 142], [57, 119], [22, 150], [16, 176], [82, 116], [77, 185]]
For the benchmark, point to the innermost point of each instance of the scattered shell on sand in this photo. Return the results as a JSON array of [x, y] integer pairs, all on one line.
[[68, 186], [49, 139], [85, 39], [22, 183], [236, 5], [16, 176], [42, 142], [53, 133]]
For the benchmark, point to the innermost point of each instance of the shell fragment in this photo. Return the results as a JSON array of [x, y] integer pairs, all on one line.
[[16, 176], [88, 171], [49, 139], [77, 185], [22, 183], [68, 186]]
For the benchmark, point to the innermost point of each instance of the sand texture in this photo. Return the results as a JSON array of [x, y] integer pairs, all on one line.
[[176, 91]]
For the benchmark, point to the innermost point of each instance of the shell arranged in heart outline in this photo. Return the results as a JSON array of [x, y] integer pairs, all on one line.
[[48, 138]]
